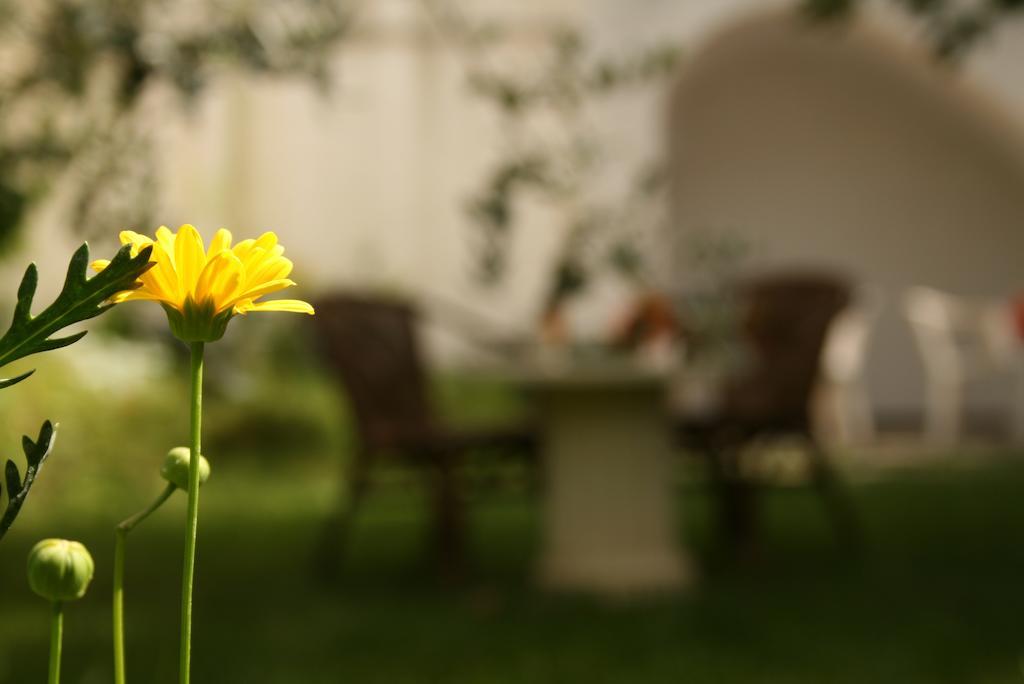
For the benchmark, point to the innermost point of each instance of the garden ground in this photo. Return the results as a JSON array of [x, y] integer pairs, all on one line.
[[935, 596]]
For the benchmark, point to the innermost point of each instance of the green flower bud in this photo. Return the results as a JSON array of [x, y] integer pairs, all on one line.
[[59, 570], [175, 468]]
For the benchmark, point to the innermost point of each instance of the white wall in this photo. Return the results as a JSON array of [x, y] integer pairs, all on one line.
[[367, 185]]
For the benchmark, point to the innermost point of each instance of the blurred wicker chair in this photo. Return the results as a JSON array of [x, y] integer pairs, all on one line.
[[371, 343], [785, 321]]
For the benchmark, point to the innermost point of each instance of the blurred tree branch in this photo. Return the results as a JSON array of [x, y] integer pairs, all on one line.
[[550, 148], [953, 27], [554, 167], [75, 71]]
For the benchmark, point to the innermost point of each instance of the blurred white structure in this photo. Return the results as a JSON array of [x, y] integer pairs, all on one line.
[[962, 340], [847, 401]]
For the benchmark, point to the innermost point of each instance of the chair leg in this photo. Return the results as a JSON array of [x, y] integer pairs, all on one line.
[[449, 519], [836, 498], [334, 537], [737, 505]]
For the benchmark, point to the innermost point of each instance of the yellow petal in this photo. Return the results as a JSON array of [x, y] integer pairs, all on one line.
[[241, 250], [165, 238], [130, 237], [265, 288], [292, 305], [273, 268], [251, 260], [99, 264], [267, 241], [136, 240], [140, 294], [221, 241], [162, 280], [220, 280], [189, 258]]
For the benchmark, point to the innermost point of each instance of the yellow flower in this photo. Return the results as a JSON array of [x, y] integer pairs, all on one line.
[[201, 289]]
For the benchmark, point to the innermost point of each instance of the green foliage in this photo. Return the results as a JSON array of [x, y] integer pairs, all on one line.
[[80, 299], [75, 73], [828, 9], [12, 208], [953, 28], [555, 164], [17, 487]]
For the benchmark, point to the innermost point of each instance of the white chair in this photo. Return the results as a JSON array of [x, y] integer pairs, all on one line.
[[961, 339]]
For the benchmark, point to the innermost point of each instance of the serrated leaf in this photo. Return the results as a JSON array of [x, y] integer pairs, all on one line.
[[36, 454], [13, 479], [80, 299], [7, 382], [58, 342]]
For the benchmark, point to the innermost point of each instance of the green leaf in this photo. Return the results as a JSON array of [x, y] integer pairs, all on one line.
[[7, 382], [80, 299], [36, 454], [13, 479]]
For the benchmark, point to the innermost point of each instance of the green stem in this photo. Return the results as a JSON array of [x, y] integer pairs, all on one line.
[[193, 514], [56, 637], [121, 536], [120, 540], [129, 524]]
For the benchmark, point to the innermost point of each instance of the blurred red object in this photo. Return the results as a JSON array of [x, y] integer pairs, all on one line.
[[649, 319], [553, 329], [1018, 315]]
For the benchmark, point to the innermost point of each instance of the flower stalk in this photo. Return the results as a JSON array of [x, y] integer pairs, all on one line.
[[56, 639], [120, 543], [185, 654]]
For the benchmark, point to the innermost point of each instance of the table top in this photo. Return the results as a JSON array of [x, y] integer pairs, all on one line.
[[564, 371]]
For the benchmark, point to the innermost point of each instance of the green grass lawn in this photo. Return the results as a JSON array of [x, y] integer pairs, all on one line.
[[936, 597]]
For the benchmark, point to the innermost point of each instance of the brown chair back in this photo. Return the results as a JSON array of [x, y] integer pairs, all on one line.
[[371, 343], [786, 318]]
